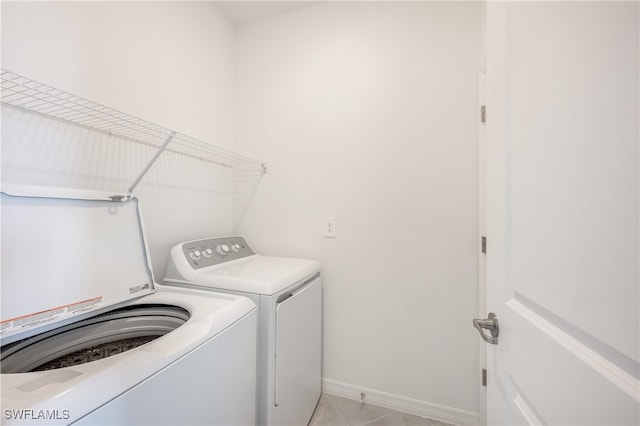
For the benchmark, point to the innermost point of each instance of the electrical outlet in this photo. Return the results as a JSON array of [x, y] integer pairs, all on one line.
[[329, 227]]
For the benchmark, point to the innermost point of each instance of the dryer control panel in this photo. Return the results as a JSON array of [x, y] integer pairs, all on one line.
[[213, 251]]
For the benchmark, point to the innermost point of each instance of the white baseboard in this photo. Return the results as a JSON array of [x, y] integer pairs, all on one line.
[[402, 403]]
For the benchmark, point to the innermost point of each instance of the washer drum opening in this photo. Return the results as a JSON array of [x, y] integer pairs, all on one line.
[[91, 339]]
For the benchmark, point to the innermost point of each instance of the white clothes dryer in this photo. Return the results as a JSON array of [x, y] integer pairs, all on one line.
[[288, 293], [87, 338]]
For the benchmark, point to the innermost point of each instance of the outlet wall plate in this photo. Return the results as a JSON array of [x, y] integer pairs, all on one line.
[[329, 227]]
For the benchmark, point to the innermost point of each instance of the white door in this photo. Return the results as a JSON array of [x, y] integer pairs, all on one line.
[[563, 212]]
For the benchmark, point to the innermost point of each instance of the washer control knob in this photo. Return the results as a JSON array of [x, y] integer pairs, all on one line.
[[222, 249], [207, 252], [235, 247], [195, 254]]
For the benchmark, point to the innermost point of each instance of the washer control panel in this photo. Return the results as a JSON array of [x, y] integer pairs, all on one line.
[[213, 251]]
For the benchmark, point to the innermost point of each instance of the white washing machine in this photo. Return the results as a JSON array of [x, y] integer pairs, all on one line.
[[288, 293], [88, 339]]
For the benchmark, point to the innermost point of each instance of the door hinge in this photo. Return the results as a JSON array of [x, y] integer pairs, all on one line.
[[483, 244], [483, 113], [484, 377]]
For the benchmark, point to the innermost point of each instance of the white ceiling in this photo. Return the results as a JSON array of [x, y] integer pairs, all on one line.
[[243, 12]]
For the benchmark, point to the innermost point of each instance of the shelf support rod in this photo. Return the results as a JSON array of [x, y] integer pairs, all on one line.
[[153, 160]]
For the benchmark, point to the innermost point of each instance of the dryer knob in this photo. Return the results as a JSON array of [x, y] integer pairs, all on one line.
[[195, 254], [207, 252], [235, 247], [222, 249]]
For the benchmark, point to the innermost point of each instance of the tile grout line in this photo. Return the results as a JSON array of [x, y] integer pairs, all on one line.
[[428, 421], [337, 411], [362, 405], [375, 420], [381, 417]]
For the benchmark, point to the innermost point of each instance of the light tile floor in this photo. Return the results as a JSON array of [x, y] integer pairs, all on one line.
[[336, 411]]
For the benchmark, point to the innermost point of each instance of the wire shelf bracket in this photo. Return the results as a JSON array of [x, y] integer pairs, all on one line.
[[153, 160]]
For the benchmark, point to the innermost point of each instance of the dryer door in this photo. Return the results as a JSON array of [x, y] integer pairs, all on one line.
[[299, 349]]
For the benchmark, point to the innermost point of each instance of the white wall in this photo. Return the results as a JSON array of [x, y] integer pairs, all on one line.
[[363, 111], [167, 62], [367, 111]]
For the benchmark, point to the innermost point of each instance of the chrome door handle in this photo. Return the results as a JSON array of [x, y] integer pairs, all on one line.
[[491, 325]]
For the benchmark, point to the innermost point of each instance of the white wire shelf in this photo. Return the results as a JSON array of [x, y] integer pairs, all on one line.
[[37, 98]]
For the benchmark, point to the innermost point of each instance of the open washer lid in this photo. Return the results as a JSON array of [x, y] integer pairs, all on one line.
[[66, 253]]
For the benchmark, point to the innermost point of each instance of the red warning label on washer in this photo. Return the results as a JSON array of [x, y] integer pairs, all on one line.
[[20, 323]]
